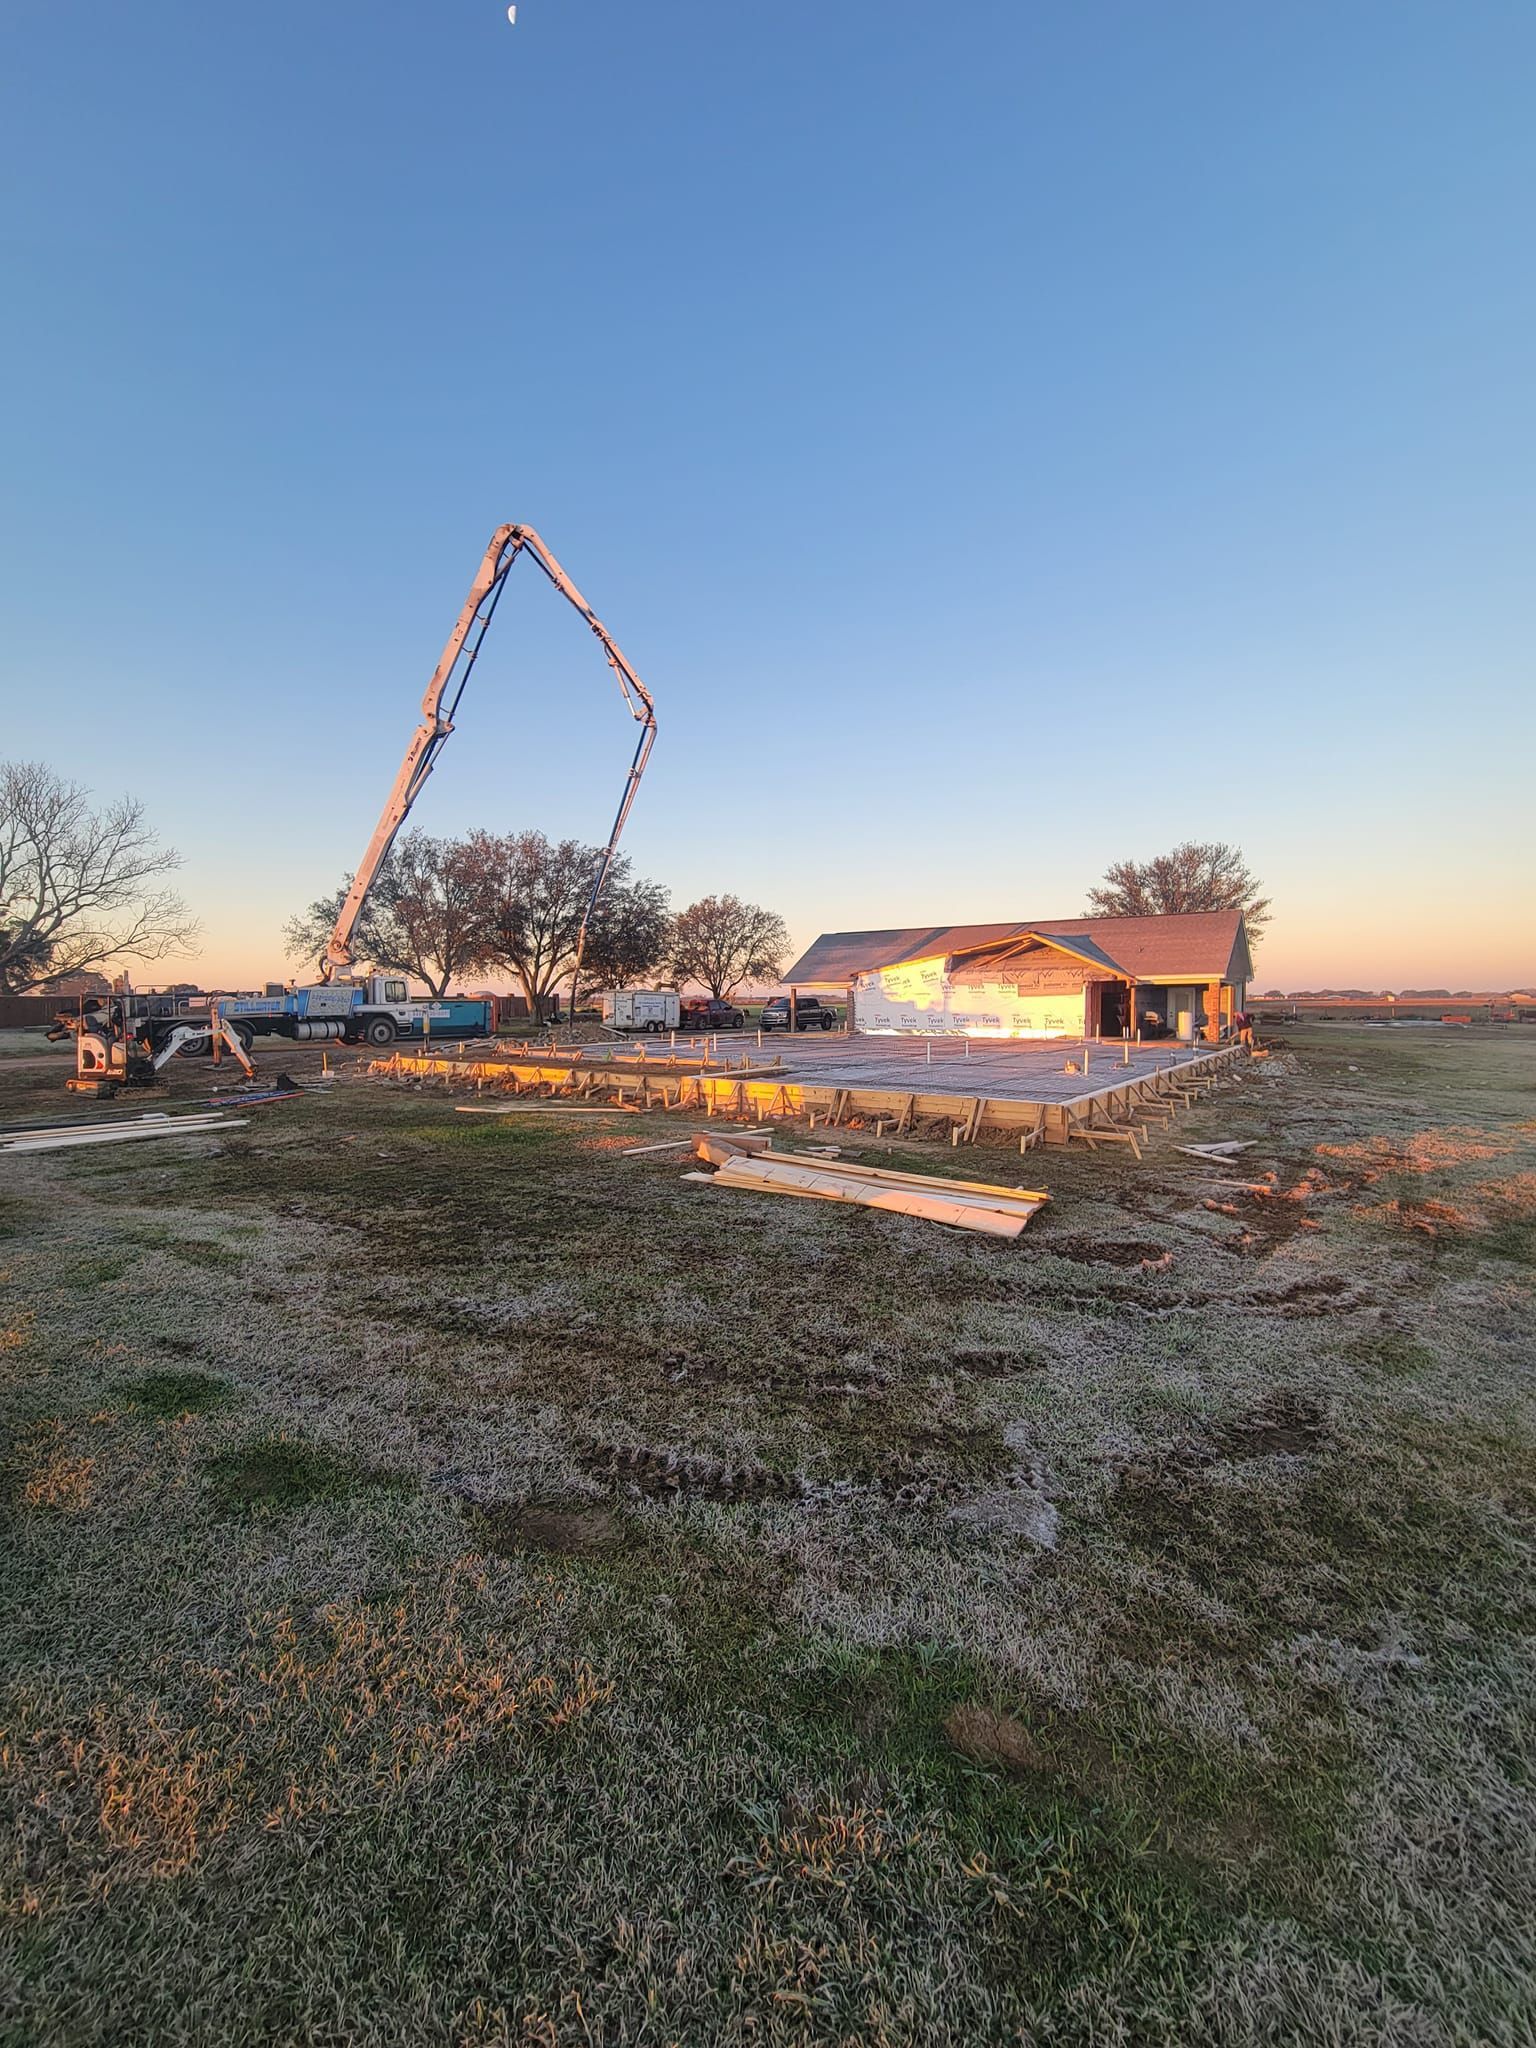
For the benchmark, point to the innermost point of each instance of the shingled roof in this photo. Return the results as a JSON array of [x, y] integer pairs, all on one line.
[[1202, 945]]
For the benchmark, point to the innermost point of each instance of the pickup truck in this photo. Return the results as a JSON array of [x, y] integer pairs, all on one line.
[[811, 1014], [704, 1013]]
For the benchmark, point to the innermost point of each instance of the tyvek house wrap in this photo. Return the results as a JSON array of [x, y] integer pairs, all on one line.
[[1045, 1001]]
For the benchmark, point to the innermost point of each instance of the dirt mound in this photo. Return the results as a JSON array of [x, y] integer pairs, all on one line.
[[1108, 1251], [995, 1739], [1285, 1422], [568, 1528]]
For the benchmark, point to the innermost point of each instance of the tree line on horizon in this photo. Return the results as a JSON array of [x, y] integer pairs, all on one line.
[[513, 902], [84, 889]]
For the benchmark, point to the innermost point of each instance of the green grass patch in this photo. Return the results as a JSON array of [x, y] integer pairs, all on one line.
[[1391, 1353], [176, 1393], [1513, 1240], [275, 1475], [1421, 1526], [1009, 1769]]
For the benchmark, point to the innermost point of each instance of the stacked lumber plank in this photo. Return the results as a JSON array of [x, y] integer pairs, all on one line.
[[62, 1137], [751, 1165]]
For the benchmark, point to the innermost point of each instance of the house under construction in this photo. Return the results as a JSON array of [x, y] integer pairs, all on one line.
[[1059, 977]]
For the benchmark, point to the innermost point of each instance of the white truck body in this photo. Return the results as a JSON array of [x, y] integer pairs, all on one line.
[[376, 1011], [644, 1009]]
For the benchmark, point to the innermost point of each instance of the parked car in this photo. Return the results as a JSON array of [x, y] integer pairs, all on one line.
[[811, 1014], [704, 1013]]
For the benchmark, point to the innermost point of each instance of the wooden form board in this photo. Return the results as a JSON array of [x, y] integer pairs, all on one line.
[[758, 1097], [994, 1211], [721, 1149]]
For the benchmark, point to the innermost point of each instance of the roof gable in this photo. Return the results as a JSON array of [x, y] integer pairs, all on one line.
[[1078, 944]]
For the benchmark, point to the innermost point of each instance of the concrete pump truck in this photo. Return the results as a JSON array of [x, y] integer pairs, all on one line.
[[126, 1039]]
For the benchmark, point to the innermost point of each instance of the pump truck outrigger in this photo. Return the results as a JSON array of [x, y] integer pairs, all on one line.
[[128, 1042]]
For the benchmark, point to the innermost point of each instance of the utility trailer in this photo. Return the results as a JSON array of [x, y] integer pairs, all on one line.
[[645, 1009]]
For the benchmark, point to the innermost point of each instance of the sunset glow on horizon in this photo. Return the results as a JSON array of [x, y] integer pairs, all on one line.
[[1005, 444]]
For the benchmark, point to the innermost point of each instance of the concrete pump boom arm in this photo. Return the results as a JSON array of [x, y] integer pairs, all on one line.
[[450, 675]]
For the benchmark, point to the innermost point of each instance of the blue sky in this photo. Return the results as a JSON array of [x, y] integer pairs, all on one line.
[[1006, 437]]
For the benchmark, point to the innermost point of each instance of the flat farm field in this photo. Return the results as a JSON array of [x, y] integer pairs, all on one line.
[[468, 1585]]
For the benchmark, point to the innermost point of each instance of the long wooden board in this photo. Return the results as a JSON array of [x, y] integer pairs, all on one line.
[[1001, 1212], [901, 1201], [935, 1183], [719, 1149], [173, 1127], [828, 1171]]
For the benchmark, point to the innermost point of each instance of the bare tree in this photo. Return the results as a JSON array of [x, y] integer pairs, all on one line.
[[720, 942], [533, 894], [423, 916], [531, 897], [79, 887], [627, 938], [1197, 875]]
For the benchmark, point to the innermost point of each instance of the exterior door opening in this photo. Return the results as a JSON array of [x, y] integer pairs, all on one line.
[[1115, 1009]]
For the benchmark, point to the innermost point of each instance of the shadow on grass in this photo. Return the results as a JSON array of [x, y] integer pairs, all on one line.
[[276, 1474], [175, 1393]]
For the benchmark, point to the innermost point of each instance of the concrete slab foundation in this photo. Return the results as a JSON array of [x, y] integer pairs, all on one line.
[[1006, 1088]]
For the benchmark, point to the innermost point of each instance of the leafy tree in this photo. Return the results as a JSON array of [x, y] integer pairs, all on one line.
[[424, 915], [79, 888], [533, 894], [720, 942], [1197, 875]]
